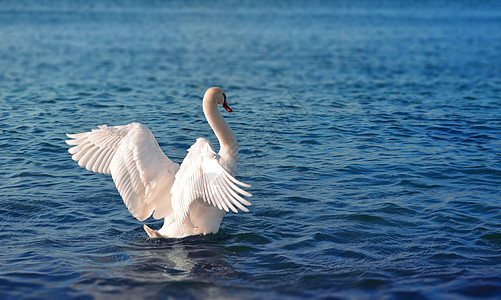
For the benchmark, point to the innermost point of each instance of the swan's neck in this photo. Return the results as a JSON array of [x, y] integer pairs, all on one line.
[[227, 141]]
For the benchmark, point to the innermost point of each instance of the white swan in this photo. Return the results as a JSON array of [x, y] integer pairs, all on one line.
[[192, 198]]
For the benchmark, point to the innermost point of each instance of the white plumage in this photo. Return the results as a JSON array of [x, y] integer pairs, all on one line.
[[193, 197]]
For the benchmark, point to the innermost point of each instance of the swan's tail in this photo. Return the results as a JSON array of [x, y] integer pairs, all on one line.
[[152, 233]]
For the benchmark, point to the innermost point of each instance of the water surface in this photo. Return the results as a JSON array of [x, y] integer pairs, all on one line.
[[370, 132]]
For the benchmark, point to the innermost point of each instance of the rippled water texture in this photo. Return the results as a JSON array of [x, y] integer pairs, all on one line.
[[370, 132]]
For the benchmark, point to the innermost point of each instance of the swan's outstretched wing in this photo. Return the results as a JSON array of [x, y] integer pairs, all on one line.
[[202, 178], [142, 173]]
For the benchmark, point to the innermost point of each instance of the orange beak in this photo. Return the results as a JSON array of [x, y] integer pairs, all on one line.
[[226, 106]]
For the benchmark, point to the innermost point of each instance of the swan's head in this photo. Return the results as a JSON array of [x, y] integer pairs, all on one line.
[[217, 95]]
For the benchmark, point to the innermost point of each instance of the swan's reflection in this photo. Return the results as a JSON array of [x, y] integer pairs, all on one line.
[[173, 261], [196, 259], [177, 267]]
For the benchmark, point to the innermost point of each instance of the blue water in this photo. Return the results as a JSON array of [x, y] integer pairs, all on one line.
[[369, 130]]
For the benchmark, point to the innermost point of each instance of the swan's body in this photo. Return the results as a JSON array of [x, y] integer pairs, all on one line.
[[192, 197]]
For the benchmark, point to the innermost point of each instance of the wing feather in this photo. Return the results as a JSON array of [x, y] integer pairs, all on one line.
[[227, 196], [142, 173], [223, 196], [215, 195], [100, 160], [92, 161], [236, 181], [84, 161], [201, 177], [237, 189], [105, 163], [236, 198]]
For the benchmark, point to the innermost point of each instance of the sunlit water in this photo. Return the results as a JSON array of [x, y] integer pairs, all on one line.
[[370, 132]]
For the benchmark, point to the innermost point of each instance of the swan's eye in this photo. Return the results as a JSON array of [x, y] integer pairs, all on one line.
[[224, 95]]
